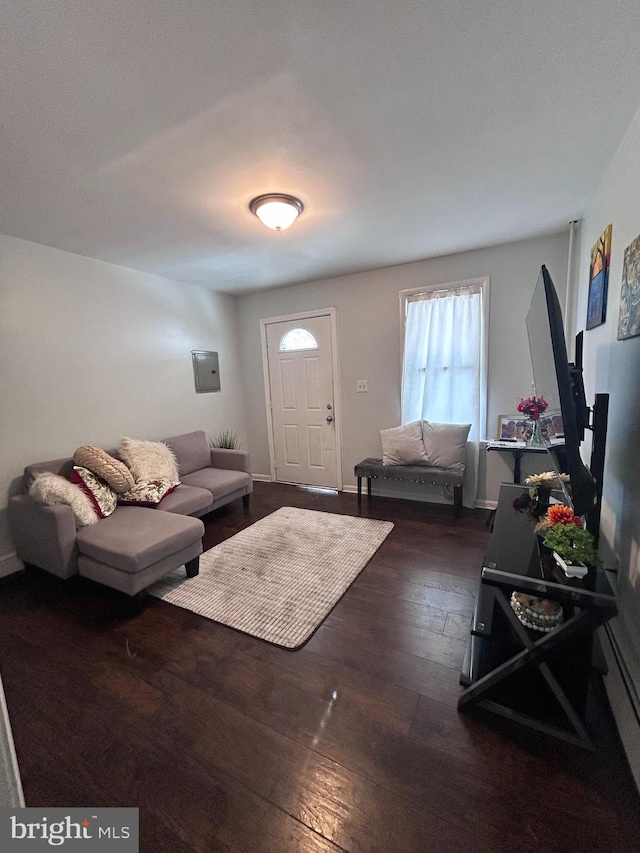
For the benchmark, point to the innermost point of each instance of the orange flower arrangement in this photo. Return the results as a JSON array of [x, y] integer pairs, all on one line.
[[560, 514]]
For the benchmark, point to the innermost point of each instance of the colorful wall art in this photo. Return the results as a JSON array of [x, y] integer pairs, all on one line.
[[629, 320], [599, 279]]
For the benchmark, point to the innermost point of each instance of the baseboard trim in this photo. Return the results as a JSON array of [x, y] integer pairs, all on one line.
[[486, 504], [10, 564], [11, 784], [624, 700], [353, 490]]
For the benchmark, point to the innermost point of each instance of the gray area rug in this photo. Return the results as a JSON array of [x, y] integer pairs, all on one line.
[[278, 579]]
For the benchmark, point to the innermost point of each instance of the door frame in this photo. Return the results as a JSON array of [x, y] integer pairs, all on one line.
[[337, 398]]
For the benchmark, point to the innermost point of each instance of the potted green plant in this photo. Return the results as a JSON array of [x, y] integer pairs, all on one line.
[[227, 439], [574, 547]]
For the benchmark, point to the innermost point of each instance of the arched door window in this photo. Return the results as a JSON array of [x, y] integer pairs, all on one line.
[[297, 339]]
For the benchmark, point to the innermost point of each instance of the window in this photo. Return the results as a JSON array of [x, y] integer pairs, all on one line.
[[445, 354], [296, 339]]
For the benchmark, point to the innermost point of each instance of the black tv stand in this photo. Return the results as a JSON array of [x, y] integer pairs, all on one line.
[[540, 680]]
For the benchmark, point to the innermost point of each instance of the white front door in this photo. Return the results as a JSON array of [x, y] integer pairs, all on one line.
[[302, 404]]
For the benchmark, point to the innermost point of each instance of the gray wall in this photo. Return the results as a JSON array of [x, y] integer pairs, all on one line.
[[91, 352], [368, 318], [614, 366]]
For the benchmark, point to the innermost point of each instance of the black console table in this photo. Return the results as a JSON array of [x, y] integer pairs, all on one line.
[[519, 448], [538, 679]]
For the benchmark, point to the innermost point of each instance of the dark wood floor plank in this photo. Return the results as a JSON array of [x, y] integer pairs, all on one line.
[[412, 588], [368, 605], [405, 670], [457, 626], [398, 634], [464, 586]]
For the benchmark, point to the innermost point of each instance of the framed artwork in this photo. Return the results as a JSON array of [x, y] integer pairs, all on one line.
[[511, 428], [629, 320], [599, 279]]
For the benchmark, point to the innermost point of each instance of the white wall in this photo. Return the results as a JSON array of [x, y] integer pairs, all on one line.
[[614, 366], [91, 352], [368, 318]]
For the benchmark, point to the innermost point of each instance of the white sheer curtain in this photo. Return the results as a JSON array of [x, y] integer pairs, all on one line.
[[443, 374]]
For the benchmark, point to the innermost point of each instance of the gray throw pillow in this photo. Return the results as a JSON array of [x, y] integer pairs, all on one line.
[[445, 444], [403, 445]]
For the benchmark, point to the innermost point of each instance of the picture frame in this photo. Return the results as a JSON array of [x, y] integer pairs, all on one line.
[[629, 319], [511, 427], [552, 426], [599, 279]]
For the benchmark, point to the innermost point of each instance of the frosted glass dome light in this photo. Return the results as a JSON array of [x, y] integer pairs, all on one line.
[[276, 210]]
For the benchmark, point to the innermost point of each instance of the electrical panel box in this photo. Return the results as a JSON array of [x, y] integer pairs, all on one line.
[[206, 371]]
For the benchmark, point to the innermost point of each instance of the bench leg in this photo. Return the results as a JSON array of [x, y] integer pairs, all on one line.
[[193, 567], [457, 501], [359, 490], [369, 487], [245, 501]]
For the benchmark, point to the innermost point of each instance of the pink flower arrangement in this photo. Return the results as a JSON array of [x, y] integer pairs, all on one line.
[[532, 407]]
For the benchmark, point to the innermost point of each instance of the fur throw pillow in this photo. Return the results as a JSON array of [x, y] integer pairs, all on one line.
[[149, 460], [51, 489], [111, 470]]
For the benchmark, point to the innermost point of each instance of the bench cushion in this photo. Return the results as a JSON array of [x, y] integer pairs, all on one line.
[[409, 473], [133, 538]]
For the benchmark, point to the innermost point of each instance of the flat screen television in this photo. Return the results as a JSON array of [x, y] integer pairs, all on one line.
[[560, 383]]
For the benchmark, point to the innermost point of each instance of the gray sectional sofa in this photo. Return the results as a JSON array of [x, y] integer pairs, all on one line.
[[134, 546]]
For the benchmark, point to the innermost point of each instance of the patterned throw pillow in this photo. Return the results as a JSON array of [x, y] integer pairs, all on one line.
[[111, 470], [101, 495], [52, 489], [149, 460], [148, 494]]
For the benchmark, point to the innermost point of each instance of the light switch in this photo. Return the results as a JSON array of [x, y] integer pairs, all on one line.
[[362, 386]]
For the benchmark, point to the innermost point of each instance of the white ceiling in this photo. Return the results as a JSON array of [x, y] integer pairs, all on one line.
[[138, 132]]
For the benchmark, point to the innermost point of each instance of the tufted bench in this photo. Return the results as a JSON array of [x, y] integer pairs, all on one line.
[[374, 469]]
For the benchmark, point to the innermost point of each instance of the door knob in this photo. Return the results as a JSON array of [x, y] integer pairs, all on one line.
[[329, 419], [329, 406]]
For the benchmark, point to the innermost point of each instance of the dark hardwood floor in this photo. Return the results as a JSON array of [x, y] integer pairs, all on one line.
[[351, 743]]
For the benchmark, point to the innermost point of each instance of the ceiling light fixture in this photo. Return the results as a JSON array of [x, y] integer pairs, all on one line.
[[276, 210]]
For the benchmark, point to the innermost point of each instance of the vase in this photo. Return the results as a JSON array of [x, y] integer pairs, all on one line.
[[534, 434], [542, 501]]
